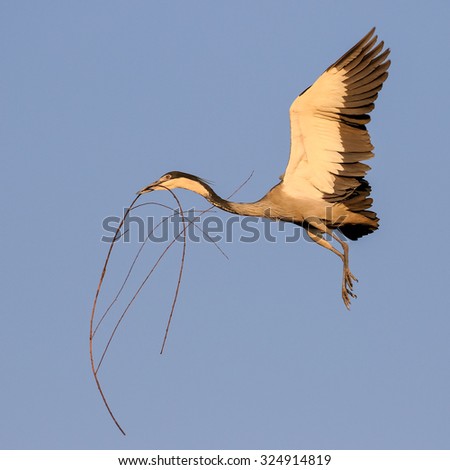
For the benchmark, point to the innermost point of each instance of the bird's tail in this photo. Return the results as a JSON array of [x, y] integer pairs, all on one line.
[[355, 231], [364, 221]]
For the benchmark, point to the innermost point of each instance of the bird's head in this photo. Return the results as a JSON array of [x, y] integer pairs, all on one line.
[[178, 179]]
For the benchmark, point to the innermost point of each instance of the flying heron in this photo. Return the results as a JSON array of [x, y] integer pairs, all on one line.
[[323, 188]]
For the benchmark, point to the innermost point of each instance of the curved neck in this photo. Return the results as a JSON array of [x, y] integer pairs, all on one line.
[[257, 208]]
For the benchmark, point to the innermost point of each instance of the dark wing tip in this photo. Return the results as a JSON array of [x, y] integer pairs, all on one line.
[[343, 60]]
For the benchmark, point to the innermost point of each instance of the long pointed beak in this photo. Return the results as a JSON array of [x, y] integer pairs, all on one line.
[[147, 189]]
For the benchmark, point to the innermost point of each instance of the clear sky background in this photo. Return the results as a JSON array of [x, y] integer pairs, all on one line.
[[99, 98]]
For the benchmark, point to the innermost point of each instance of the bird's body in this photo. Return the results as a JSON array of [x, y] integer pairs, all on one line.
[[323, 188]]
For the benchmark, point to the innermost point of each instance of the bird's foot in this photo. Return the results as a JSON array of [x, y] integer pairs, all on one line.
[[347, 287]]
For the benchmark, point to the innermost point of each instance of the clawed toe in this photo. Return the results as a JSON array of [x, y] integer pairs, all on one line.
[[347, 287]]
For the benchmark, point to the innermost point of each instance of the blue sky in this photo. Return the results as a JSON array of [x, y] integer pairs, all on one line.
[[99, 99]]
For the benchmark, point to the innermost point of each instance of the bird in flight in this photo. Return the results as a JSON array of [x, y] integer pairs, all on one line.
[[323, 188]]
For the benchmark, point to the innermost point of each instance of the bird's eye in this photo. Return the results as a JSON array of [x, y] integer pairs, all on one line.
[[166, 177]]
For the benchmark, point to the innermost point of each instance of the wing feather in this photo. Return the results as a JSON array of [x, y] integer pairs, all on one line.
[[329, 139]]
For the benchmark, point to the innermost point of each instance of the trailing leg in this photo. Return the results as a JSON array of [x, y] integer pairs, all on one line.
[[347, 277]]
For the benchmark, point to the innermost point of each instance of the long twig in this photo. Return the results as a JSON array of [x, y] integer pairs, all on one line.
[[140, 250], [119, 321], [91, 323], [126, 277], [117, 236]]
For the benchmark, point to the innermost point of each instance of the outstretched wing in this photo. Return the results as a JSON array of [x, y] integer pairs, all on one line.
[[329, 138]]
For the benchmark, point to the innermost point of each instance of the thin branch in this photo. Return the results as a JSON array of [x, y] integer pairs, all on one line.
[[91, 323], [145, 281], [117, 237]]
